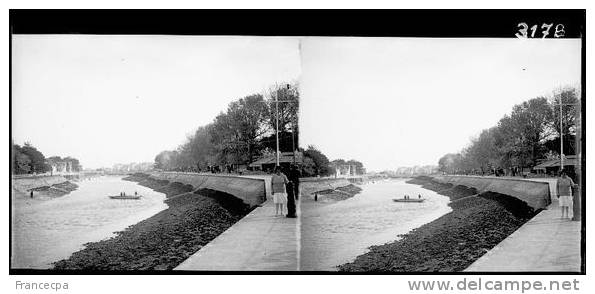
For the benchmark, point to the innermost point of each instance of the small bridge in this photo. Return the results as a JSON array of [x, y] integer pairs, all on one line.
[[252, 190]]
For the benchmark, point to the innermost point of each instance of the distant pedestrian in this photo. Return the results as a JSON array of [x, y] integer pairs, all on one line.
[[31, 193], [564, 186], [418, 196], [278, 182]]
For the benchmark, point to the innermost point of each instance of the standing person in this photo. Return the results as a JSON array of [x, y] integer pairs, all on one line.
[[294, 177], [278, 182], [290, 200], [564, 186]]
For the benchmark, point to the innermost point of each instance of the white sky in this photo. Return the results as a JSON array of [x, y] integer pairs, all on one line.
[[387, 102], [403, 101], [121, 99]]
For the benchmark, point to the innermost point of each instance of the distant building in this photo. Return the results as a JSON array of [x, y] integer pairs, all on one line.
[[268, 162], [552, 166], [416, 170], [344, 170], [61, 167], [132, 167]]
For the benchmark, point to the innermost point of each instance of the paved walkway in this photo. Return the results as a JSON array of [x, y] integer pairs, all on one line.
[[258, 242], [545, 243]]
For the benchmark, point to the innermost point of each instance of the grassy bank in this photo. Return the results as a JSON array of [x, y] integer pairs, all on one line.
[[164, 240], [452, 242]]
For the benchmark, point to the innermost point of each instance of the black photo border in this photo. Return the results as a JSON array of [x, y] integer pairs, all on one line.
[[345, 23]]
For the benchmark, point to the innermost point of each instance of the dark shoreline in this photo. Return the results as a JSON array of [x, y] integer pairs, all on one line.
[[452, 242], [57, 190], [45, 192], [164, 240]]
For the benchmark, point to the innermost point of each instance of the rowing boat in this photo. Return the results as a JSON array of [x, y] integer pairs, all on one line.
[[409, 200], [133, 197]]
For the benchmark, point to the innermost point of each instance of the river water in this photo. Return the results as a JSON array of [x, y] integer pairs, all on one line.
[[336, 233], [45, 231]]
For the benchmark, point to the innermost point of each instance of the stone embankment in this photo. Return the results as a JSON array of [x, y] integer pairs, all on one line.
[[163, 241], [328, 189], [250, 189], [451, 243], [535, 194]]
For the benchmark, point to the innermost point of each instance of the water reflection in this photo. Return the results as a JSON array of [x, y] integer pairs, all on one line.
[[333, 234]]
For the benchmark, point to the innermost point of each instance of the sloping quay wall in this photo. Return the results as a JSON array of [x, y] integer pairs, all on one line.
[[25, 184], [252, 191], [311, 185], [535, 194]]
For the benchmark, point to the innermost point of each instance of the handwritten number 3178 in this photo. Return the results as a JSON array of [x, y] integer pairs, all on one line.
[[526, 32]]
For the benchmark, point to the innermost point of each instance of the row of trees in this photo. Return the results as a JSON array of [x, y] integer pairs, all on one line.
[[529, 134], [317, 164], [246, 132], [27, 159], [241, 134], [359, 167]]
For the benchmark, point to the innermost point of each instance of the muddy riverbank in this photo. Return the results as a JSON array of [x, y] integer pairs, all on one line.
[[161, 242], [335, 232], [338, 194], [42, 187], [452, 242]]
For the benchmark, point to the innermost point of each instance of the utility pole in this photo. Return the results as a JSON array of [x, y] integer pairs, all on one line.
[[293, 142], [277, 127], [562, 131], [561, 137], [277, 101]]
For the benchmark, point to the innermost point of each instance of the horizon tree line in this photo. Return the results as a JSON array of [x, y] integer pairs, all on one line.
[[242, 133], [27, 159]]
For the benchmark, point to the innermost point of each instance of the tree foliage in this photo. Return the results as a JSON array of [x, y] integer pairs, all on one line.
[[27, 159], [240, 134], [315, 162], [521, 138], [75, 165]]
